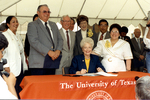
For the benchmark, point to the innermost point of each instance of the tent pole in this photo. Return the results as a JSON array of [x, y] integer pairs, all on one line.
[[141, 8], [10, 6], [82, 7]]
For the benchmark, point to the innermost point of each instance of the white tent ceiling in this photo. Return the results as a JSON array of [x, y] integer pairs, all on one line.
[[124, 12]]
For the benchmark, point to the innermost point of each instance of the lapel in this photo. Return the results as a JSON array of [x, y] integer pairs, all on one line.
[[79, 35], [91, 62], [71, 39], [43, 29], [107, 35], [65, 46], [142, 44], [83, 62], [13, 41], [53, 32], [87, 32], [136, 46]]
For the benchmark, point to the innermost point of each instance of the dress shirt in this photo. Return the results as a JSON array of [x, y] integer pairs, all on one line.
[[64, 31], [121, 37], [101, 34], [48, 27], [83, 33], [146, 40], [138, 42]]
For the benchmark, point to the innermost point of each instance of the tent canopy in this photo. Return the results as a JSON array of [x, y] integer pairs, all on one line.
[[124, 12]]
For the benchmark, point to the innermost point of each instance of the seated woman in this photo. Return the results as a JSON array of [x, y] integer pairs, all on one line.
[[114, 51], [86, 62]]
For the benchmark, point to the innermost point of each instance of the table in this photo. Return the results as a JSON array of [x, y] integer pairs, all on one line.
[[83, 87]]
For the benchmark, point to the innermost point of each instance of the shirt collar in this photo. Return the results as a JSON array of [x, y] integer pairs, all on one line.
[[65, 30], [43, 22]]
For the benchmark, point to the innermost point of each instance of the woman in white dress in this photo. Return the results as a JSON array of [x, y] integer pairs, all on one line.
[[14, 53], [114, 51]]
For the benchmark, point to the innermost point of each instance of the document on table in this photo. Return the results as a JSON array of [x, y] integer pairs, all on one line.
[[98, 74]]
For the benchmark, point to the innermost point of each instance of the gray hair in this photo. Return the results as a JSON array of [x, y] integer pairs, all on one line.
[[38, 9], [64, 16], [86, 40], [142, 88], [3, 27]]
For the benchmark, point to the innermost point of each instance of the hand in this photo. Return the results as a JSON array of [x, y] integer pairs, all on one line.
[[11, 80], [83, 71], [99, 69], [57, 53], [141, 57], [54, 54], [51, 54], [7, 69], [128, 68]]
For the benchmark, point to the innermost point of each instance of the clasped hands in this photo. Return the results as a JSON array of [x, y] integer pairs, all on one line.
[[54, 54], [141, 57]]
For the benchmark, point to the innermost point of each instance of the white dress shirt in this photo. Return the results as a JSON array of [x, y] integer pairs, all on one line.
[[84, 33], [48, 27], [101, 34], [64, 31], [138, 42]]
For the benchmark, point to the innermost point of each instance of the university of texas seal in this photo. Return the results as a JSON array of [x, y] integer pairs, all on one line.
[[99, 95]]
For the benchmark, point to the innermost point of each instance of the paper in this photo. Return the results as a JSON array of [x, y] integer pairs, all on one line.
[[106, 74], [98, 74], [90, 74]]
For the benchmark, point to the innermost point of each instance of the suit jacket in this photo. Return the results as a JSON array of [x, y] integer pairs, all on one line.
[[78, 63], [136, 50], [40, 42], [67, 54], [13, 54], [78, 38], [27, 46]]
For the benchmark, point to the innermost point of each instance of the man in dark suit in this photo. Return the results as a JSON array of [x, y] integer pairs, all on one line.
[[138, 51], [45, 43], [103, 34]]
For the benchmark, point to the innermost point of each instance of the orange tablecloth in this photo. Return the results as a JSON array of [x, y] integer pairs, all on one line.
[[83, 87]]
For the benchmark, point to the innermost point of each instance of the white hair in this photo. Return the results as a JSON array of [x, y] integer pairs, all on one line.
[[64, 16], [142, 88], [86, 40]]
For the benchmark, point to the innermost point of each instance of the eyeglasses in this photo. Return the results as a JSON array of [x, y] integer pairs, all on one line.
[[115, 31], [46, 12], [66, 21], [83, 23], [103, 25]]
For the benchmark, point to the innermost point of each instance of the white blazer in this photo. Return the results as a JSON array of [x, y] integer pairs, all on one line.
[[13, 54]]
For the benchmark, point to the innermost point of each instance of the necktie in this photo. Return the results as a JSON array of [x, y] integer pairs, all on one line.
[[139, 43], [68, 40], [49, 33], [101, 38]]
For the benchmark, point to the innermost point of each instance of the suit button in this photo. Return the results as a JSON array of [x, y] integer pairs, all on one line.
[[52, 47]]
